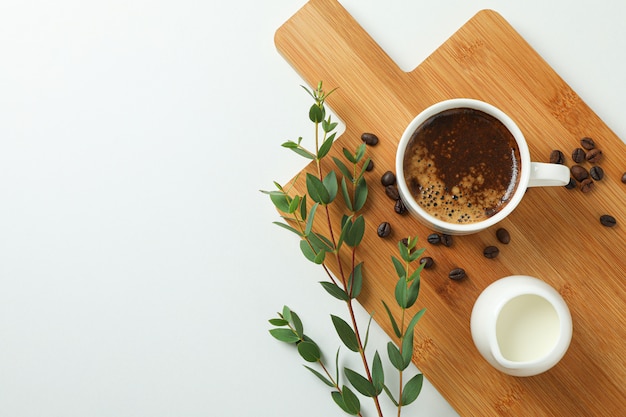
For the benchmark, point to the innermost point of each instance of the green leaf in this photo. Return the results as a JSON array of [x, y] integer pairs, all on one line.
[[399, 266], [316, 189], [414, 320], [309, 351], [316, 113], [416, 273], [346, 334], [281, 200], [303, 212], [320, 376], [360, 194], [325, 148], [346, 224], [367, 331], [297, 324], [290, 144], [378, 375], [360, 152], [320, 242], [364, 167], [355, 234], [286, 313], [412, 389], [355, 281], [412, 293], [390, 395], [401, 293], [330, 182], [319, 258], [334, 290], [310, 219], [278, 322], [343, 168], [404, 252], [298, 149], [286, 226], [407, 348], [294, 204], [328, 126], [360, 383], [416, 254], [350, 400], [349, 156], [346, 194], [310, 254], [285, 335], [396, 329], [395, 357]]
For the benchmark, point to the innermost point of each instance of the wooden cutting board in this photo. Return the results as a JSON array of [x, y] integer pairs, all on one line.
[[556, 233]]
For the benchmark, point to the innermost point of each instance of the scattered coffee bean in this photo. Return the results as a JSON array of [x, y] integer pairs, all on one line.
[[369, 139], [427, 261], [399, 207], [578, 155], [594, 156], [370, 166], [457, 274], [491, 252], [596, 172], [624, 178], [405, 241], [608, 220], [579, 173], [587, 185], [503, 236], [392, 192], [388, 178], [557, 157], [571, 184], [587, 143], [434, 239], [384, 229], [446, 240]]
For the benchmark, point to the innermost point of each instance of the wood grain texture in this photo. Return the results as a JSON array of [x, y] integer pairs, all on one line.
[[556, 234]]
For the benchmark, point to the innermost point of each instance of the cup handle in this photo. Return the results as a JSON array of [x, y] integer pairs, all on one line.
[[548, 175]]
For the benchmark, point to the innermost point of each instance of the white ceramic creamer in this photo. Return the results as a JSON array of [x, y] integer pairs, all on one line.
[[521, 325]]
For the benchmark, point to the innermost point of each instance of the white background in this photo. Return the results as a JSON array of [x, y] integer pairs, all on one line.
[[138, 262]]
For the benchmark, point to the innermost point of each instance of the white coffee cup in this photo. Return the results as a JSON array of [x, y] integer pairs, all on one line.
[[532, 174]]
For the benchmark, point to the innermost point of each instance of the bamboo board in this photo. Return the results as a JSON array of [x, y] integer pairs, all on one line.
[[556, 234]]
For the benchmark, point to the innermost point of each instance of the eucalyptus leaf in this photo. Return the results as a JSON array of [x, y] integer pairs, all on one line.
[[412, 293], [320, 242], [309, 351], [303, 207], [343, 168], [355, 281], [346, 333], [316, 113], [401, 293], [346, 194], [360, 152], [309, 253], [319, 258], [330, 182], [399, 267], [310, 219], [396, 329], [316, 189], [355, 234], [407, 348], [285, 335], [395, 357], [411, 327], [325, 148], [281, 200], [346, 224], [287, 313], [287, 227], [378, 374], [367, 331], [349, 156], [404, 252], [278, 322], [360, 383], [297, 324], [334, 290], [412, 389], [303, 152], [360, 194], [416, 274], [353, 405], [320, 376], [294, 204], [390, 395], [416, 254]]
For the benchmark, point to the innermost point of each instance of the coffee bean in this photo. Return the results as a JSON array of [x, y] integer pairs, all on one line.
[[624, 178], [384, 229], [388, 178], [446, 240], [392, 192], [587, 143], [578, 155], [491, 252], [557, 157], [587, 185], [405, 242], [503, 236], [370, 166], [399, 207], [434, 239], [369, 139], [571, 184], [427, 261], [457, 274], [596, 172], [579, 173], [594, 156], [608, 220]]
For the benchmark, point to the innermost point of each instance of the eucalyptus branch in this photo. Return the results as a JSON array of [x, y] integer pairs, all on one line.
[[299, 212]]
